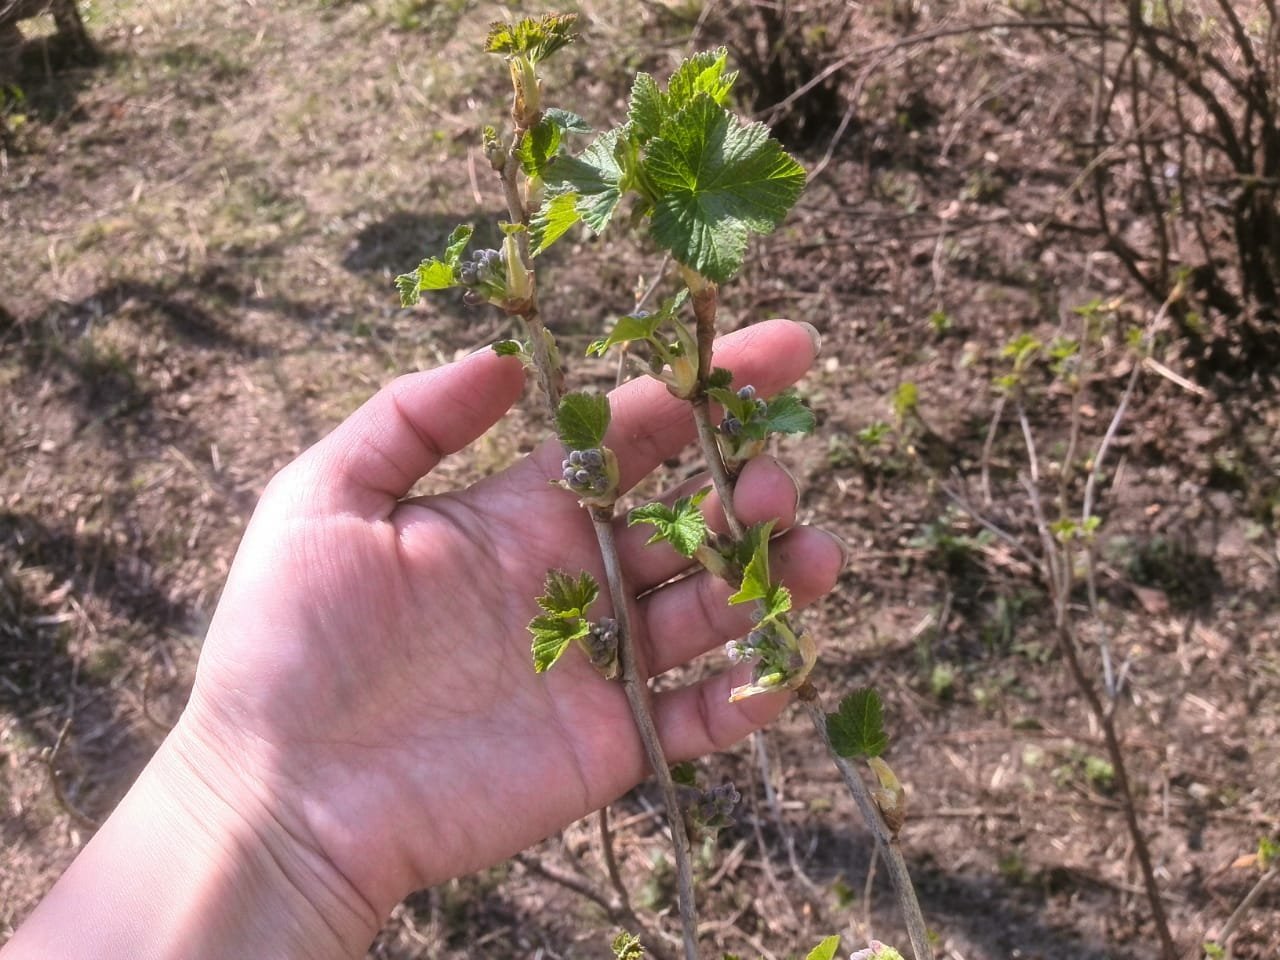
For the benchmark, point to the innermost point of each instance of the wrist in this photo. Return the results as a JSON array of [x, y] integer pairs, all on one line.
[[192, 865]]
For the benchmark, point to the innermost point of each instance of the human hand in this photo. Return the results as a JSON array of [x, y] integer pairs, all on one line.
[[366, 682]]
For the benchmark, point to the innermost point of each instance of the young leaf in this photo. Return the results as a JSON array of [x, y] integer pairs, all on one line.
[[775, 603], [753, 554], [717, 180], [701, 73], [775, 599], [646, 108], [631, 327], [740, 407], [566, 121], [685, 773], [857, 727], [564, 601], [557, 214], [639, 326], [595, 177], [626, 946], [682, 524], [552, 636], [538, 147], [826, 950], [582, 420], [720, 378], [788, 414], [650, 108], [534, 39], [433, 273], [565, 597]]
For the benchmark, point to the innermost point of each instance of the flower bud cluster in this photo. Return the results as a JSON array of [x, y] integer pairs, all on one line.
[[485, 277], [585, 472], [712, 810], [731, 426], [780, 658], [601, 646]]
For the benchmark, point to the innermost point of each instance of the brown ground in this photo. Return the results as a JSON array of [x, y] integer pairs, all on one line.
[[197, 242]]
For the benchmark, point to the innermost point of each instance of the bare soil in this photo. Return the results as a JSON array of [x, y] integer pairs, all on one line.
[[197, 239]]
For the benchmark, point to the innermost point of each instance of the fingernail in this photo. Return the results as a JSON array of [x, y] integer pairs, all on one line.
[[814, 336], [790, 476], [846, 552]]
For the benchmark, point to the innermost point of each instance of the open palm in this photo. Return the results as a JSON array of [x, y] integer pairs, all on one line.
[[368, 668]]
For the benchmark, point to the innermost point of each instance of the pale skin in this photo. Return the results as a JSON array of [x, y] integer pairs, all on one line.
[[365, 719]]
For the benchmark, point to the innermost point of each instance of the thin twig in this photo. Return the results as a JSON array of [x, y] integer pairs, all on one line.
[[581, 887], [917, 933], [611, 860], [715, 465], [50, 758], [551, 379], [987, 446], [1237, 915], [637, 690]]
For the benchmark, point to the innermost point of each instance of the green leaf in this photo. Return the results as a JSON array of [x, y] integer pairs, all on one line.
[[564, 601], [774, 603], [857, 727], [566, 597], [457, 243], [685, 773], [1268, 852], [595, 176], [558, 213], [650, 109], [682, 524], [433, 273], [407, 284], [510, 348], [534, 39], [702, 73], [628, 328], [720, 378], [538, 147], [566, 120], [740, 407], [552, 636], [646, 108], [637, 326], [788, 414], [754, 555], [626, 946], [582, 419], [826, 950], [718, 180]]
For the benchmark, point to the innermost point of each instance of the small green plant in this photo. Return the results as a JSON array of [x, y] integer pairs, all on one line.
[[698, 182], [13, 115]]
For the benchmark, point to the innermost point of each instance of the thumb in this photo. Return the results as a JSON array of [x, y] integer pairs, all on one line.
[[378, 453]]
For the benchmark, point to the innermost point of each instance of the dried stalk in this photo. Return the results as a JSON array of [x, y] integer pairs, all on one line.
[[1056, 568]]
